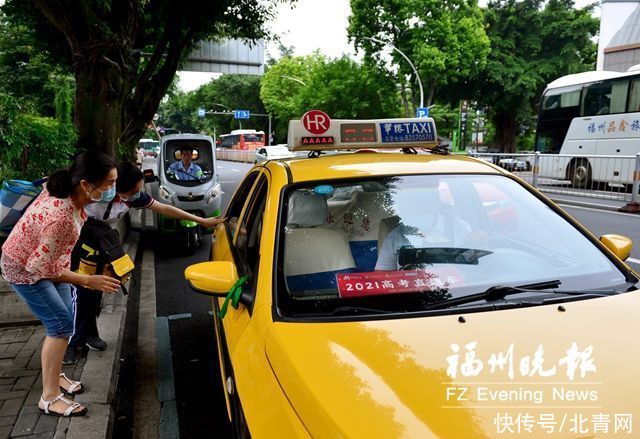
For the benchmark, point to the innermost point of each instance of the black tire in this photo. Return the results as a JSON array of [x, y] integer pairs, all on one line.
[[580, 174], [192, 241]]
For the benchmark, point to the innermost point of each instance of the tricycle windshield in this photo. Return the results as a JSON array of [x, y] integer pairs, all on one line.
[[188, 162], [401, 244]]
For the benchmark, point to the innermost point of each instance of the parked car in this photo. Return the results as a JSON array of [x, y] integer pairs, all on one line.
[[272, 153], [394, 295], [513, 164]]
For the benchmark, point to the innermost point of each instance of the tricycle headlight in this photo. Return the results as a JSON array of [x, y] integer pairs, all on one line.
[[213, 193], [166, 195]]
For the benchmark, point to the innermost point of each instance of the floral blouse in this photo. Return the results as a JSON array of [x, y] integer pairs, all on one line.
[[40, 244]]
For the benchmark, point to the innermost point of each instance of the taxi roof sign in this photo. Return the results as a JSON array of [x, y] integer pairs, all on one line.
[[356, 134]]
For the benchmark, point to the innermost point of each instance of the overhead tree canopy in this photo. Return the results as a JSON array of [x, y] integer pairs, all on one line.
[[342, 87], [124, 53], [445, 41], [281, 88], [230, 92], [533, 42]]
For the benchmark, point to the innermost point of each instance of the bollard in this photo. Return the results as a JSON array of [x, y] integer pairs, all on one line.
[[535, 169], [633, 206]]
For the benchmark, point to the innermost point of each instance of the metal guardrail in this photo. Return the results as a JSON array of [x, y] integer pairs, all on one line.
[[236, 155], [607, 177]]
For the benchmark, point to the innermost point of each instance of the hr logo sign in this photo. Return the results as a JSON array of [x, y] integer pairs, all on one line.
[[316, 121]]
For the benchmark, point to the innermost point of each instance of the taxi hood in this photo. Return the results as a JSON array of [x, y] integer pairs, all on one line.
[[446, 377]]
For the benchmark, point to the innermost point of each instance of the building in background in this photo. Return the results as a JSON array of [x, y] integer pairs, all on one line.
[[619, 43]]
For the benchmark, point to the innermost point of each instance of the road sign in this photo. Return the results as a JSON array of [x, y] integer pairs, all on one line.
[[200, 112], [316, 121], [241, 114], [407, 132], [422, 112]]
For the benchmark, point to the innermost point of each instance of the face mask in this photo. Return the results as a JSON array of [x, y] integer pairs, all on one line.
[[130, 198], [105, 196]]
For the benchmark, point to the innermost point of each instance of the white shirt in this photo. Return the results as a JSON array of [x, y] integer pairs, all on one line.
[[406, 236]]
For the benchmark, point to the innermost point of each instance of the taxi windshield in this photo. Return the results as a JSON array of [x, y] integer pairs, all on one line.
[[401, 244]]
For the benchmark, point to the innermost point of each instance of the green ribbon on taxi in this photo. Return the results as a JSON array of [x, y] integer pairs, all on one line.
[[233, 296]]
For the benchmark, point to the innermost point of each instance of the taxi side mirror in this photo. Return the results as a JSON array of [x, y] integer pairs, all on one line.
[[620, 245], [212, 278]]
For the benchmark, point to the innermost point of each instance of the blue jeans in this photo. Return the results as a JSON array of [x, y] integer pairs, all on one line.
[[52, 303]]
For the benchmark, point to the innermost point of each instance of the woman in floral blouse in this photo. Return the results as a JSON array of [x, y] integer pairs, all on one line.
[[36, 258]]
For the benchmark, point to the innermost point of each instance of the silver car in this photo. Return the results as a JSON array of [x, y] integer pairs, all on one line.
[[273, 152]]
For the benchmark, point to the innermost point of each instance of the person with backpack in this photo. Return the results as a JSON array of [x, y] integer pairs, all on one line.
[[36, 260], [129, 195]]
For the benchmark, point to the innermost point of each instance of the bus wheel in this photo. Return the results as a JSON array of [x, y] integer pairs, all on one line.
[[580, 174]]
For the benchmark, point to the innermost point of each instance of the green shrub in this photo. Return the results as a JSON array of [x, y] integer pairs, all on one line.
[[32, 146]]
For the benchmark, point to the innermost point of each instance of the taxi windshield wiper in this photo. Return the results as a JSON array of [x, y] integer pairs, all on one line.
[[499, 292], [355, 310]]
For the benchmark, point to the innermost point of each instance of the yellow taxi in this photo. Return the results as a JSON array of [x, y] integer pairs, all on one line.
[[393, 294]]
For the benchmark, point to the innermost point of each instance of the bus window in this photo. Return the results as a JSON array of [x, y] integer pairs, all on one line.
[[597, 98], [619, 96], [634, 96], [605, 98], [561, 98]]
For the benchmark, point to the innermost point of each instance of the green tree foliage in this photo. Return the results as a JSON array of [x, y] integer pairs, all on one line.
[[342, 88], [282, 86], [236, 92], [31, 146], [345, 89], [125, 53], [532, 43], [26, 70], [446, 41]]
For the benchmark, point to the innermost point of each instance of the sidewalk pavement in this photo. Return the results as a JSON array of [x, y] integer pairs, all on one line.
[[21, 382]]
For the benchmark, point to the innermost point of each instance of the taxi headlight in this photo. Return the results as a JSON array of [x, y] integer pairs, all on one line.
[[213, 193], [166, 195]]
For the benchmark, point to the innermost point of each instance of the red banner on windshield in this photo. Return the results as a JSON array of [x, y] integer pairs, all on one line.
[[377, 283]]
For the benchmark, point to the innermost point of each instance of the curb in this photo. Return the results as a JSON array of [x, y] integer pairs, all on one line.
[[101, 370]]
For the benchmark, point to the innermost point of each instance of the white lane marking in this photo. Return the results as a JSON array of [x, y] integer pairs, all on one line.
[[180, 316], [599, 210], [633, 261]]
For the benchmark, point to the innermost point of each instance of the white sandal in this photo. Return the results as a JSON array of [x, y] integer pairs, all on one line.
[[74, 387], [68, 412]]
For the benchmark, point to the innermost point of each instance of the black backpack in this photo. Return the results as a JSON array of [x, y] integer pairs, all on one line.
[[99, 251]]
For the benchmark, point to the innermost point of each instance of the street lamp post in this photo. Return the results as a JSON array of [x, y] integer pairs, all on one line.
[[408, 60]]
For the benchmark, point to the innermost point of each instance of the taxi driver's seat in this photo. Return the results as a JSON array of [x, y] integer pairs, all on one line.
[[386, 225], [313, 251]]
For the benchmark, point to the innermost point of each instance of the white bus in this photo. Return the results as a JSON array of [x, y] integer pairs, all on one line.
[[591, 114]]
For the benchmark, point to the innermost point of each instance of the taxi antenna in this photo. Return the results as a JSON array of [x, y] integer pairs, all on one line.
[[314, 154], [409, 151]]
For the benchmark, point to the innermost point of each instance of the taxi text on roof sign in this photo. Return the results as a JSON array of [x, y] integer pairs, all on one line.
[[315, 131]]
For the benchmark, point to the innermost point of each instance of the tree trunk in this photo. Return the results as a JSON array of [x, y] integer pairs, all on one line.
[[506, 130], [98, 110]]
